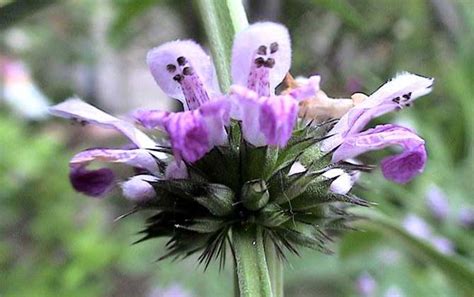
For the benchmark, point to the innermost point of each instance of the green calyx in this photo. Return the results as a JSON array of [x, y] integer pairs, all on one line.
[[242, 186]]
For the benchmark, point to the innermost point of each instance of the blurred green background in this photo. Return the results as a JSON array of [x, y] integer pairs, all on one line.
[[55, 242]]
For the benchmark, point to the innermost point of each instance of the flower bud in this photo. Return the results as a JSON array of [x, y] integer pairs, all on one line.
[[138, 188], [255, 194]]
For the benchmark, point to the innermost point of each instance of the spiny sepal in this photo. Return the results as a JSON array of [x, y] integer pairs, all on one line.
[[242, 186]]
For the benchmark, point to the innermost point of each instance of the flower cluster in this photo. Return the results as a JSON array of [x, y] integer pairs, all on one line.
[[245, 157]]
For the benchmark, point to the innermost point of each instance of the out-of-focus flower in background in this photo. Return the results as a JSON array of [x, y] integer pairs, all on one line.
[[19, 90]]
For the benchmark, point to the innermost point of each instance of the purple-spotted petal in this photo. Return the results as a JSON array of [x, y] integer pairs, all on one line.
[[138, 158], [403, 167], [261, 57], [77, 109], [400, 168], [399, 92], [277, 118], [138, 188], [94, 183], [183, 71]]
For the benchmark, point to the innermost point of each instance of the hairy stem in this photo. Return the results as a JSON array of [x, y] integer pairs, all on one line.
[[250, 262]]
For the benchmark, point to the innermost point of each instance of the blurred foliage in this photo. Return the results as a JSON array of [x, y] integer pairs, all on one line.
[[56, 243]]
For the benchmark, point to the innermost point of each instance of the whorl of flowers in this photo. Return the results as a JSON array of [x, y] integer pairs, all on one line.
[[245, 158]]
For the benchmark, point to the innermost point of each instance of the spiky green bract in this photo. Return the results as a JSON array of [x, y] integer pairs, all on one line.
[[242, 187]]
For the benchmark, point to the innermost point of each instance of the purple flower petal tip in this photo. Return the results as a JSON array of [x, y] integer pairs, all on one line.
[[400, 168], [437, 202], [404, 167], [94, 183], [277, 118]]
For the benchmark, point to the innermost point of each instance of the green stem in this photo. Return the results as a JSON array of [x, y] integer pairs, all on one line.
[[222, 19], [455, 269], [275, 269], [250, 262]]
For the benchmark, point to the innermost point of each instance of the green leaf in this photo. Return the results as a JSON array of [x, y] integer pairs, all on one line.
[[216, 198], [15, 11], [203, 225], [222, 19]]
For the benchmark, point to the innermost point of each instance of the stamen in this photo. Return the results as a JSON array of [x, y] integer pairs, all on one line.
[[178, 78], [273, 48], [188, 71], [259, 62], [269, 63], [262, 50], [181, 61], [171, 68], [407, 96]]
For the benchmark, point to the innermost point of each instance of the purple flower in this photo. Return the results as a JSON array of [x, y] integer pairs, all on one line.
[[97, 183], [366, 285], [176, 170], [466, 217], [261, 57], [400, 168], [420, 229], [437, 202], [183, 71], [348, 141], [192, 133], [138, 188]]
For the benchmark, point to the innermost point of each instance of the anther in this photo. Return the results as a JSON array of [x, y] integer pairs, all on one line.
[[181, 61], [269, 63], [188, 70], [259, 62], [273, 47], [396, 100], [178, 77], [171, 68], [407, 96], [262, 50]]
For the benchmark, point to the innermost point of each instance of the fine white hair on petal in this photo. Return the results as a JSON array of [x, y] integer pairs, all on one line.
[[399, 92], [166, 54], [402, 84], [79, 110], [249, 40]]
